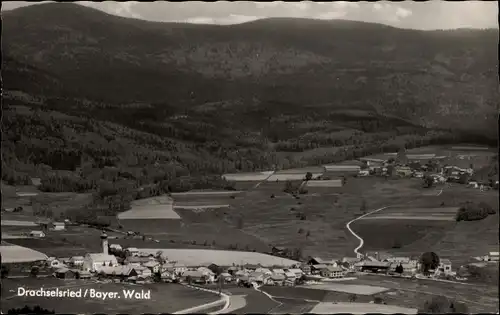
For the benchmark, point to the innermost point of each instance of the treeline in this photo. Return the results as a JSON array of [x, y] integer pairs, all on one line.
[[471, 211]]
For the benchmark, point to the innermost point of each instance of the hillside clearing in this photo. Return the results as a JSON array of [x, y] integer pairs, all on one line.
[[348, 288]]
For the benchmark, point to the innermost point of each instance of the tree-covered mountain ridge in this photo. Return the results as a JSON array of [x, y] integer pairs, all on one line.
[[431, 78]]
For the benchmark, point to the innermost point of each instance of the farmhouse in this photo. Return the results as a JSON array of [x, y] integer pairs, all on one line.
[[316, 269], [332, 272], [298, 273], [193, 275], [306, 269], [493, 256], [445, 265], [83, 274], [37, 234], [264, 271], [319, 261], [132, 251], [375, 266], [65, 273], [154, 266], [58, 226], [95, 262], [76, 260], [397, 260], [277, 279], [290, 276], [116, 247]]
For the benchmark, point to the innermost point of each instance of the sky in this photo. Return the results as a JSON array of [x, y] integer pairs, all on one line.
[[406, 14]]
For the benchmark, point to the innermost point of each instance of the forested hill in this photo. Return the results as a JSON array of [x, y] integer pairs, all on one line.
[[92, 99]]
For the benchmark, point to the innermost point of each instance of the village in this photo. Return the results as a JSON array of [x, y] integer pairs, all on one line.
[[119, 264]]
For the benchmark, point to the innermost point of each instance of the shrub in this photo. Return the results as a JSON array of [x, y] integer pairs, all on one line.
[[470, 211], [443, 305]]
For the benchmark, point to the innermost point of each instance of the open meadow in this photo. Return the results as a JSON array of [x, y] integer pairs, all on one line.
[[480, 298], [360, 308], [195, 257], [160, 207], [74, 240], [165, 298], [17, 254], [412, 228], [316, 221]]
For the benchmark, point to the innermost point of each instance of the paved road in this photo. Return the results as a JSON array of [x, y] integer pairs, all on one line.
[[361, 241]]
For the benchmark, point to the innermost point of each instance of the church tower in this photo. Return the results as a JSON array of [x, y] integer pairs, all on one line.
[[104, 240]]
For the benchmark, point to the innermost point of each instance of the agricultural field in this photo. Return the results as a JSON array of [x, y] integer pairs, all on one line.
[[412, 213], [348, 288], [219, 257], [13, 254], [165, 298], [278, 220], [204, 199], [150, 208], [17, 223], [360, 308], [75, 240], [198, 228], [480, 298]]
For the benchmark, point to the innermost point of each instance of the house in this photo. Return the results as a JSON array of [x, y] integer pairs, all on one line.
[[137, 261], [298, 273], [116, 247], [277, 279], [83, 274], [403, 171], [257, 277], [194, 276], [209, 274], [232, 270], [493, 256], [251, 266], [37, 234], [153, 265], [278, 250], [167, 276], [445, 265], [373, 161], [316, 269], [54, 263], [241, 273], [350, 260], [119, 271], [375, 266], [76, 261], [132, 251], [65, 273], [264, 271], [332, 272], [397, 260], [226, 277], [58, 226], [216, 269], [278, 271], [407, 267], [95, 262], [290, 276], [306, 269], [143, 272]]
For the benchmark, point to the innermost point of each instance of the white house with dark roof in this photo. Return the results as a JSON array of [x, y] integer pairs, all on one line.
[[37, 234], [95, 262]]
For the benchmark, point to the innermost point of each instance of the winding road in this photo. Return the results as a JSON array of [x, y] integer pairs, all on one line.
[[361, 241]]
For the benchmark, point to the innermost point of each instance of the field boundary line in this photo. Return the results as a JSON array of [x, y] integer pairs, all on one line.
[[257, 288], [224, 298]]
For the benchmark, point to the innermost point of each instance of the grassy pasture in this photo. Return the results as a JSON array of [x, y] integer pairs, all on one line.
[[165, 298], [327, 210], [413, 293], [360, 308], [389, 234], [197, 228], [195, 257], [75, 240]]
